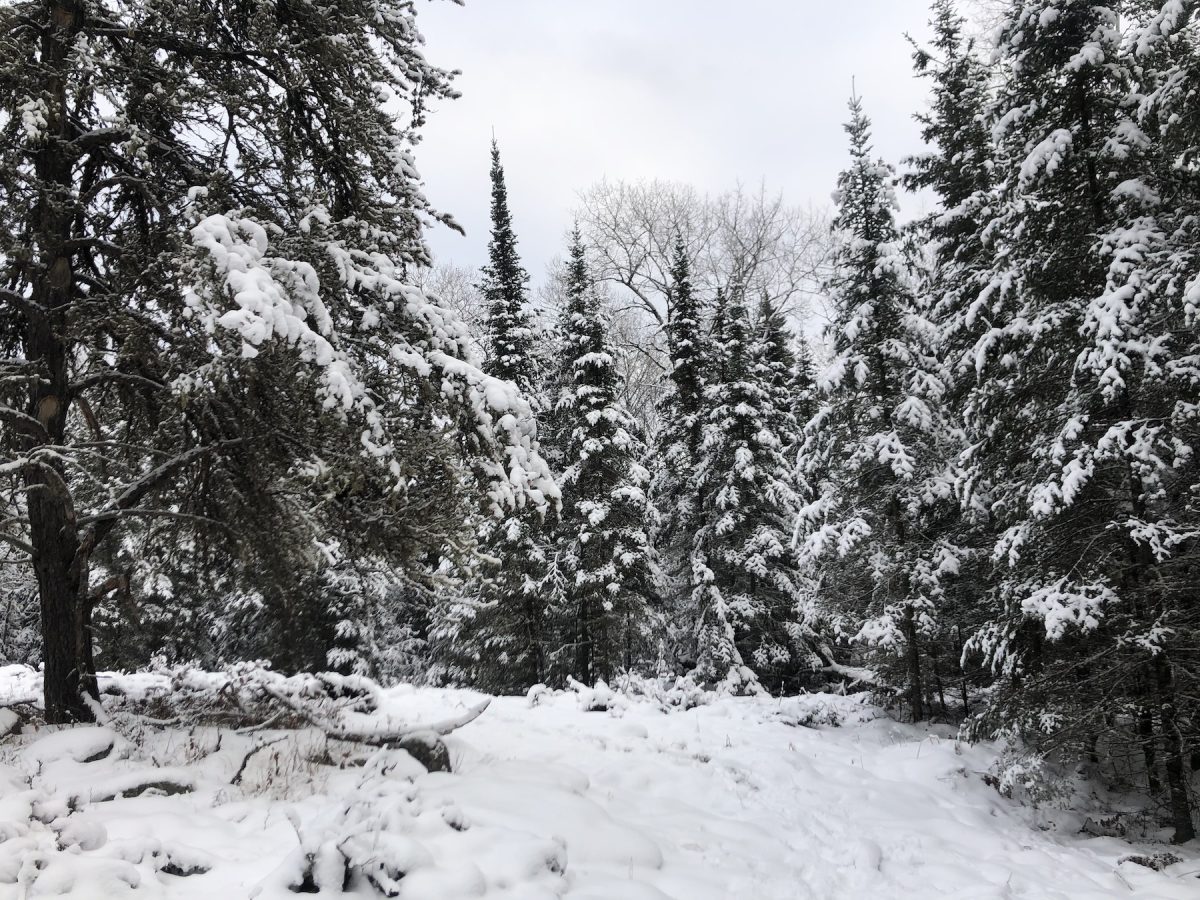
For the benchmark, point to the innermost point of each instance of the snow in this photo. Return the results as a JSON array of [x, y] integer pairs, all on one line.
[[587, 794]]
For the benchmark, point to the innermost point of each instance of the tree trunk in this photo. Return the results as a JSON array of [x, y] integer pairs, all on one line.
[[1145, 731], [962, 673], [533, 634], [1181, 808], [913, 654], [60, 560], [937, 678], [583, 644]]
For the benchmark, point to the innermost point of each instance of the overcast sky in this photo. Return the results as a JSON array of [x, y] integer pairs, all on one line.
[[710, 92]]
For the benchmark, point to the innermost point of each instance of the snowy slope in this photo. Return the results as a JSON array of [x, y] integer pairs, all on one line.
[[734, 799]]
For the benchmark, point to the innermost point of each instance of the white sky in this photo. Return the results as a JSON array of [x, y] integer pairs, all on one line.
[[710, 92]]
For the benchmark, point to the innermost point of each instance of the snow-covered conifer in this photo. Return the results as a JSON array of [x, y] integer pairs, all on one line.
[[870, 460], [207, 217], [604, 536], [1081, 348]]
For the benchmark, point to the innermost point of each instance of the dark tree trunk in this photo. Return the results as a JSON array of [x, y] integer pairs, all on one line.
[[913, 655], [937, 678], [533, 625], [1177, 788], [583, 644], [1145, 731], [60, 558]]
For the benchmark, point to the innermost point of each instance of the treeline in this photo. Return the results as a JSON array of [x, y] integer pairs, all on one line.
[[233, 429]]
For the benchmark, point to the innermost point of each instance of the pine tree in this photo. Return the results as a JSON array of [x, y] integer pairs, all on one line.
[[205, 308], [871, 459], [607, 519]]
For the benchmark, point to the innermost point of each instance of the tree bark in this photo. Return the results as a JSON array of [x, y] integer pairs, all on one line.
[[913, 654], [1145, 731], [60, 560], [1177, 788], [583, 646]]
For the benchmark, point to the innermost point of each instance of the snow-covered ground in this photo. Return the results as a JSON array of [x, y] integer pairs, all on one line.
[[738, 798]]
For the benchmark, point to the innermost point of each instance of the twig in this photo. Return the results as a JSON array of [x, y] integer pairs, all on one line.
[[237, 778]]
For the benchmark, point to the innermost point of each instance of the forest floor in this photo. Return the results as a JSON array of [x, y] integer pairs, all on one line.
[[737, 799]]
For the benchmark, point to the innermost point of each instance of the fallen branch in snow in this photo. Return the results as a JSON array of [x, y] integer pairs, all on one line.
[[856, 674], [376, 732], [237, 778]]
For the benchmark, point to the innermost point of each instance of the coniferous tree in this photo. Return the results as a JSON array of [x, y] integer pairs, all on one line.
[[604, 536], [677, 449], [1081, 406], [958, 163], [210, 341], [509, 324], [805, 395], [745, 579], [1154, 266], [717, 609], [957, 167], [497, 635], [777, 370], [871, 458], [723, 481]]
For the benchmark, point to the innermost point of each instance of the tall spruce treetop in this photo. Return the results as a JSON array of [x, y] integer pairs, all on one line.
[[869, 277], [505, 291], [207, 212], [958, 163]]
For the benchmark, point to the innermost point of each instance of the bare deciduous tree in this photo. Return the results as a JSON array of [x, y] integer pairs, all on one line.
[[749, 236]]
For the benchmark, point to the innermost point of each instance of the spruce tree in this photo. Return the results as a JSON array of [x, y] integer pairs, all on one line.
[[604, 534], [777, 368], [1153, 262], [497, 635], [957, 166], [508, 322], [744, 574], [871, 460], [677, 449], [958, 162], [805, 396], [1082, 399]]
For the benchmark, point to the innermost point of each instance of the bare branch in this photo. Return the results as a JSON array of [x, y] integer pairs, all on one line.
[[15, 541]]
